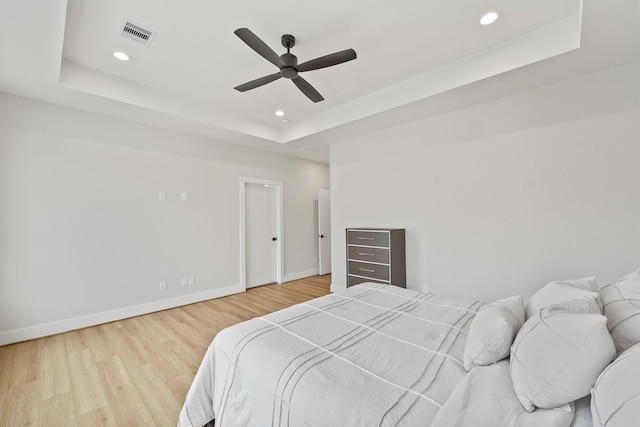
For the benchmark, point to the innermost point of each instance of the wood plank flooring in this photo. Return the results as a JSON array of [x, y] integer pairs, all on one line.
[[131, 372]]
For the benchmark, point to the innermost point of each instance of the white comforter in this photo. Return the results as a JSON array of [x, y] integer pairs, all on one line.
[[485, 398], [374, 355]]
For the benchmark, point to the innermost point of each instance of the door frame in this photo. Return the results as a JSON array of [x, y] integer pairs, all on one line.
[[278, 185]]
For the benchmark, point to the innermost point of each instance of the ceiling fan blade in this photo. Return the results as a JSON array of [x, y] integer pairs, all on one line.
[[307, 89], [259, 46], [258, 82], [328, 60]]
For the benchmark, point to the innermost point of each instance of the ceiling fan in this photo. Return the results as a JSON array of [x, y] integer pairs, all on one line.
[[288, 63]]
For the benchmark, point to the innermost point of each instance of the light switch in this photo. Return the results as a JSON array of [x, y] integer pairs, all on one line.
[[162, 196], [163, 285], [185, 282], [184, 197], [192, 280]]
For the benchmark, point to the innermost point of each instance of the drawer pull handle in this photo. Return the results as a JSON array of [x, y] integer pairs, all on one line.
[[367, 270], [366, 238], [362, 253]]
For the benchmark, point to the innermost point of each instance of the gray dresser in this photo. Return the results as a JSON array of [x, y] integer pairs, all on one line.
[[376, 255]]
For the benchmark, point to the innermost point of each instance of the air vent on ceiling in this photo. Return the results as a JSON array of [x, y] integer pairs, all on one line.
[[137, 33]]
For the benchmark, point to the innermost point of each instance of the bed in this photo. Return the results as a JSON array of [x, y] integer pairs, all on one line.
[[375, 355]]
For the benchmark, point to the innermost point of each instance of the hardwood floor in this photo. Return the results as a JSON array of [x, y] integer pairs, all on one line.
[[131, 372]]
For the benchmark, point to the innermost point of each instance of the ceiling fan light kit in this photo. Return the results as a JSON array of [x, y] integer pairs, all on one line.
[[288, 63]]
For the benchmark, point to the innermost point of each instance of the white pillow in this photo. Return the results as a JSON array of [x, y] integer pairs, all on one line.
[[492, 332], [615, 399], [559, 352], [556, 292], [621, 305]]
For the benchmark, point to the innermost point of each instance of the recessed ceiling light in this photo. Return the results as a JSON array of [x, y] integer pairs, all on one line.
[[279, 113], [489, 18], [121, 56]]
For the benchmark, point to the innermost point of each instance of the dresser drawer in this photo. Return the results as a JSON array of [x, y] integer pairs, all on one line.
[[374, 271], [359, 253], [353, 280], [368, 238]]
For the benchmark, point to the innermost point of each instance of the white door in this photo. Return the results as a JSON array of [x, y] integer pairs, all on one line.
[[261, 237], [324, 231]]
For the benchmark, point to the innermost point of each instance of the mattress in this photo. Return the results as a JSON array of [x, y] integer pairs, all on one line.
[[373, 355]]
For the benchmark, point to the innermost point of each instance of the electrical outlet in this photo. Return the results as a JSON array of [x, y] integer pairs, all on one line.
[[185, 282], [192, 280], [163, 285]]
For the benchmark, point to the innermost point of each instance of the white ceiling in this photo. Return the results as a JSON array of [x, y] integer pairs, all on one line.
[[415, 58]]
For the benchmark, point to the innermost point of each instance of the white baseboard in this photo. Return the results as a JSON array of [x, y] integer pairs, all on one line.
[[337, 288], [46, 329], [300, 275]]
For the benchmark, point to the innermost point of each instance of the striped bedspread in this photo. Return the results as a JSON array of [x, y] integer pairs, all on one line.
[[373, 355]]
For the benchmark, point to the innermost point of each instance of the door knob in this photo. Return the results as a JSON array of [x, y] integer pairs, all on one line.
[[274, 238], [322, 236]]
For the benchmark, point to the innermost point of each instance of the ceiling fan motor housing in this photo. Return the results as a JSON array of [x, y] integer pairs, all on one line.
[[289, 72]]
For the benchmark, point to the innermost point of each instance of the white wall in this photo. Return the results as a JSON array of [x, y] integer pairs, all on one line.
[[500, 198], [84, 238]]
